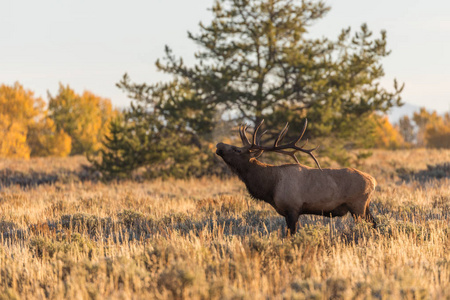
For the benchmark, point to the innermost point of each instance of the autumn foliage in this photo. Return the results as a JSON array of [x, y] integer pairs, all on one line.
[[72, 123], [84, 117], [25, 127], [45, 139], [75, 123], [433, 129], [387, 136]]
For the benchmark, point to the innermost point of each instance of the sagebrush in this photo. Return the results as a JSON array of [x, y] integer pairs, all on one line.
[[206, 239]]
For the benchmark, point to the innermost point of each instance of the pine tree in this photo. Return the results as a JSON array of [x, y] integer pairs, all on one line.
[[129, 145], [256, 60], [114, 163]]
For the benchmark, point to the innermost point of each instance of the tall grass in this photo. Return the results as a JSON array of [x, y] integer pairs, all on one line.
[[206, 239]]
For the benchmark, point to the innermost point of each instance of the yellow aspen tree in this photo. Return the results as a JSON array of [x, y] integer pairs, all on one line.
[[437, 134], [84, 118], [386, 135], [25, 128], [18, 108], [425, 120], [13, 139], [45, 139]]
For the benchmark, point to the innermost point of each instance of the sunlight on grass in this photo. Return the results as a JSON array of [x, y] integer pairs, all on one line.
[[207, 239]]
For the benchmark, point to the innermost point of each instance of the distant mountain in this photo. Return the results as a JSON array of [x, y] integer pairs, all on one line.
[[396, 113]]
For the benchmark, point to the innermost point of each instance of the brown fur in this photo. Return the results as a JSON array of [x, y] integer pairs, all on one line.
[[295, 189]]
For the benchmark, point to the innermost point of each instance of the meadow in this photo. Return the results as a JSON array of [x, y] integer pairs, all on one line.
[[64, 235]]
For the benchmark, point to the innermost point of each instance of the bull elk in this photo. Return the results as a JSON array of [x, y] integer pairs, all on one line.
[[296, 189]]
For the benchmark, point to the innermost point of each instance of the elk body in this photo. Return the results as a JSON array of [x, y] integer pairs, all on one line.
[[295, 189]]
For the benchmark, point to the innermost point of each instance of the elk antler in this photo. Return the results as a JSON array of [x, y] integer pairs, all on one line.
[[242, 133], [256, 142]]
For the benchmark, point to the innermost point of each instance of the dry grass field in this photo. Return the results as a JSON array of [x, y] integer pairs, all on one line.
[[63, 236]]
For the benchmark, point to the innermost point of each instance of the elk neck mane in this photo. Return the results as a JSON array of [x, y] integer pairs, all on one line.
[[259, 178]]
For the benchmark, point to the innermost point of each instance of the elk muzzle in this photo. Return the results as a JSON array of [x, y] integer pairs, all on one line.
[[219, 149]]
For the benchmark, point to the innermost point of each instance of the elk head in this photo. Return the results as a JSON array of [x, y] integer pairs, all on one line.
[[237, 156]]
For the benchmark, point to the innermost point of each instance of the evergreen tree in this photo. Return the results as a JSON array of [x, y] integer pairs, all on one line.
[[128, 145], [256, 60], [115, 162], [143, 137]]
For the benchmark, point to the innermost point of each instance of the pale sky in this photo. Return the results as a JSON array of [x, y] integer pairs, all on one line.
[[91, 44]]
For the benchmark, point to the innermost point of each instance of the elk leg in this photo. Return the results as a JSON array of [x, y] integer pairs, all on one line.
[[369, 217], [291, 222], [357, 214]]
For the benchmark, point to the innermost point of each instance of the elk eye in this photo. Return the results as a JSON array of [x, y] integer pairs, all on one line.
[[237, 150]]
